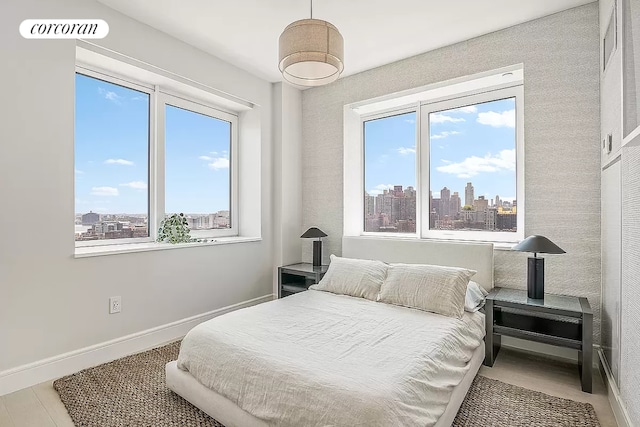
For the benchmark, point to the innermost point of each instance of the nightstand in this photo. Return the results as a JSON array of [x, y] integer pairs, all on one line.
[[557, 320], [298, 277]]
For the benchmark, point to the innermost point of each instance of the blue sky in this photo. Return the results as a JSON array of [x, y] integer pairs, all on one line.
[[112, 151], [469, 144]]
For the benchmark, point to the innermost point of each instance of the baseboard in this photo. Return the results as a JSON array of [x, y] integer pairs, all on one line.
[[618, 407], [546, 349], [64, 364]]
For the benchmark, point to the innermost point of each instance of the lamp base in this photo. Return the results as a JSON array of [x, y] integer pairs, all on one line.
[[317, 253], [535, 278]]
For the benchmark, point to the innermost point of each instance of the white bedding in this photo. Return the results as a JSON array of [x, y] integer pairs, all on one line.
[[320, 359]]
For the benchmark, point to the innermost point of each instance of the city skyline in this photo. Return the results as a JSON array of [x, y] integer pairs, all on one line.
[[475, 142], [395, 210], [95, 226]]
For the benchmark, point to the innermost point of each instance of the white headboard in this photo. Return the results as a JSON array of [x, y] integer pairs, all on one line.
[[474, 256]]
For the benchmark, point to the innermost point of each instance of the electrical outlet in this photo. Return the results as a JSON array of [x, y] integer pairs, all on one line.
[[115, 304]]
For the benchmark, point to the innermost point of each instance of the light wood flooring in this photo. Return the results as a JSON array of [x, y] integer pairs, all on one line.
[[40, 406]]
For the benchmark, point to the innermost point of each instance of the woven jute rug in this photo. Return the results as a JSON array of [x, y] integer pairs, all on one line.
[[131, 392]]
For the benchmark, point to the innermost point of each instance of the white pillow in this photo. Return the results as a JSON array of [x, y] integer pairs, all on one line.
[[474, 299], [355, 277], [431, 288]]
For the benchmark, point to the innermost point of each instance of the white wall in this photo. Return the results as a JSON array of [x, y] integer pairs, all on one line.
[[287, 169], [52, 303], [611, 123]]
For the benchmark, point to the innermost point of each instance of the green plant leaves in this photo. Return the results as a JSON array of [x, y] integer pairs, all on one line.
[[175, 229]]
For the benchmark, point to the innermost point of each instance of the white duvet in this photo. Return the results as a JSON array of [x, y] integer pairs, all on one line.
[[320, 359]]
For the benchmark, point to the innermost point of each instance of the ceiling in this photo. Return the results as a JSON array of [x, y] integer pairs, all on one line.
[[376, 32]]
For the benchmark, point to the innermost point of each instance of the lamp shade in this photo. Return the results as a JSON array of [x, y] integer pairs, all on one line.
[[311, 53], [313, 232], [538, 244]]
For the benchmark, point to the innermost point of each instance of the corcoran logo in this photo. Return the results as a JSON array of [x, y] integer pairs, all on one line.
[[64, 29]]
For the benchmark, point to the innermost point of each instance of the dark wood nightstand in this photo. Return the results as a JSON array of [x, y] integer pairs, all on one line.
[[298, 277], [557, 320]]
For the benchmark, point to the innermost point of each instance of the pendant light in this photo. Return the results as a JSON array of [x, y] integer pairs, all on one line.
[[311, 52]]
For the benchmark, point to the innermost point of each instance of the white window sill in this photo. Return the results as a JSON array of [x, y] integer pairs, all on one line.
[[91, 251], [497, 245]]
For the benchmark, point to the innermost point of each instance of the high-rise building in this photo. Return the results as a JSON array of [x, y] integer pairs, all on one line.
[[445, 202], [90, 218], [468, 195], [491, 218], [481, 204], [369, 205], [455, 205], [392, 210], [498, 201]]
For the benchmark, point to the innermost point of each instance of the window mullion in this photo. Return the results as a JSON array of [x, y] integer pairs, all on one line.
[[419, 173], [424, 170], [158, 163]]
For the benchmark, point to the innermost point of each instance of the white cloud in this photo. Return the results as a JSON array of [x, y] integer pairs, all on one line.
[[109, 95], [79, 172], [104, 191], [497, 120], [216, 162], [472, 166], [378, 189], [443, 118], [469, 109], [407, 150], [136, 185], [219, 163], [118, 162], [445, 134], [412, 121]]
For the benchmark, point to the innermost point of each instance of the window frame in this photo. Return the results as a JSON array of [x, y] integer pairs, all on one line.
[[156, 151], [149, 90], [423, 152], [426, 108], [383, 115], [166, 99]]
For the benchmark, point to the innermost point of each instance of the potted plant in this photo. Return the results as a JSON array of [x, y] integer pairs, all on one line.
[[175, 229]]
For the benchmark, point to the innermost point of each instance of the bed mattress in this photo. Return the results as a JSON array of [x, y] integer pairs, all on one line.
[[317, 359]]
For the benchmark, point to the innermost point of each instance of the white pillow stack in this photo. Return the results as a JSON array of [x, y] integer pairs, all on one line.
[[434, 288], [426, 287], [355, 277]]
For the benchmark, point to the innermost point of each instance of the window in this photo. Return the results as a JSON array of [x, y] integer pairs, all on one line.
[[390, 173], [472, 168], [111, 161], [198, 147], [442, 162], [142, 154]]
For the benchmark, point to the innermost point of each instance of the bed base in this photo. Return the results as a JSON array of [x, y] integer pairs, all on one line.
[[231, 415]]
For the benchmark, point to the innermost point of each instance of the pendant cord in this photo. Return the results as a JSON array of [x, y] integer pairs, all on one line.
[[311, 9]]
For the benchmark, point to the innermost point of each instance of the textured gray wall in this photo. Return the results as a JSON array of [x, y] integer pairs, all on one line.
[[630, 326], [560, 54]]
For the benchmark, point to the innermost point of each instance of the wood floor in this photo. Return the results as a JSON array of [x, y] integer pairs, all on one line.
[[40, 406]]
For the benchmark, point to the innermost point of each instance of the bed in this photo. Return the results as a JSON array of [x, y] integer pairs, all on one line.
[[317, 358]]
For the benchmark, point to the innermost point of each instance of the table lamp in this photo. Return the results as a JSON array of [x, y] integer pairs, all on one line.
[[315, 232], [535, 266]]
